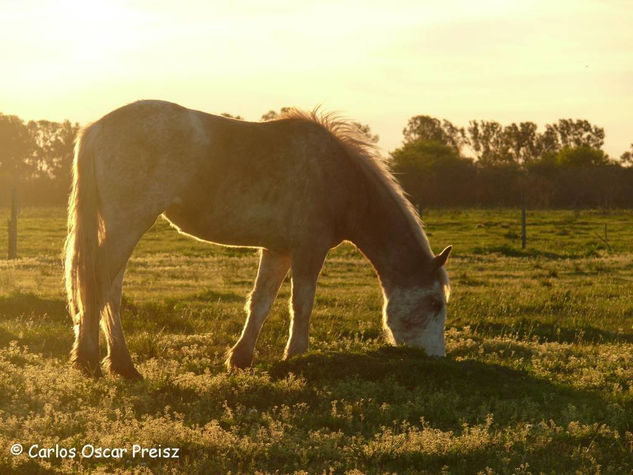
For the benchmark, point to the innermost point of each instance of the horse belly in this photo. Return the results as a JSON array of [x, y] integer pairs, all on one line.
[[258, 225]]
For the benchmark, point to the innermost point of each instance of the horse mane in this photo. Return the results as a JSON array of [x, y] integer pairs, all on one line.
[[368, 158]]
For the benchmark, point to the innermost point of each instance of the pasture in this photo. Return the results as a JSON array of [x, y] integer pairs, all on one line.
[[538, 376]]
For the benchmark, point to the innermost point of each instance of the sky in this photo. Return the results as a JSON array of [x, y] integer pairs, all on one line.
[[379, 63]]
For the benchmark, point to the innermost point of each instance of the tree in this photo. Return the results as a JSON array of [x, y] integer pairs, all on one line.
[[627, 157], [53, 148], [424, 127], [273, 115], [231, 116], [16, 145], [570, 133], [366, 132], [581, 157], [522, 142], [490, 143]]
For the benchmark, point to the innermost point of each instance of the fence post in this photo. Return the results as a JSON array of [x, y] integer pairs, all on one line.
[[13, 226], [523, 223]]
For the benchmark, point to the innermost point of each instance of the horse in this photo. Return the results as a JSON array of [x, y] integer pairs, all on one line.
[[294, 188]]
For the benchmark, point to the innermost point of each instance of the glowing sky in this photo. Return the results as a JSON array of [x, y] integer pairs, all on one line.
[[377, 62]]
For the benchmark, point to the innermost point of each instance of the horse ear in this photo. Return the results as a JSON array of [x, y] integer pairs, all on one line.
[[441, 258]]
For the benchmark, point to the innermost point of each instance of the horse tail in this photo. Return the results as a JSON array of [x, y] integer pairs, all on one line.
[[82, 242]]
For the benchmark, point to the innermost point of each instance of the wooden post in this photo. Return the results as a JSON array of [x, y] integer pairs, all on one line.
[[13, 226], [523, 223]]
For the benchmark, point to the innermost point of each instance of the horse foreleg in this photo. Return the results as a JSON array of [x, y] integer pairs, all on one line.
[[273, 268], [305, 272], [118, 360]]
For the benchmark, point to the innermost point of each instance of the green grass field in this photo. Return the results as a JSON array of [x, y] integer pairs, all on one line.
[[538, 376]]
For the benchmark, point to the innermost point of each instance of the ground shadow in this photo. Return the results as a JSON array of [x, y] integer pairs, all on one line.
[[41, 324], [550, 332], [45, 327], [210, 296], [470, 386], [508, 250], [19, 304]]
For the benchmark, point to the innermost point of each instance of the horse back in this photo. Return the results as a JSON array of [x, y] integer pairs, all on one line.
[[278, 184]]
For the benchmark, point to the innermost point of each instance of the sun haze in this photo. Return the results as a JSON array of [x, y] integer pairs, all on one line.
[[377, 62]]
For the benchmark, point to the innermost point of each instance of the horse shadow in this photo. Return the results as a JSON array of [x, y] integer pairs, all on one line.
[[459, 391], [551, 332]]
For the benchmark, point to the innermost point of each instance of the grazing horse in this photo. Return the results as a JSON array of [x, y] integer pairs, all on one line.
[[293, 187]]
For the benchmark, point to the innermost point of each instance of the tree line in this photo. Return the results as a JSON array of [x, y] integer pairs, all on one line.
[[489, 164], [438, 164], [36, 157]]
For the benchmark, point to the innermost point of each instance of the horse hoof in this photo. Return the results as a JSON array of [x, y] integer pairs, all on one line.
[[294, 351], [127, 371], [88, 369], [237, 360], [131, 373]]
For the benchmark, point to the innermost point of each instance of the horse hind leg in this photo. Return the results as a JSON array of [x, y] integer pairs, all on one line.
[[118, 360], [85, 352], [273, 268], [123, 230]]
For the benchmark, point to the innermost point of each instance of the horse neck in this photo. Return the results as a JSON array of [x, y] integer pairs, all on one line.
[[385, 235]]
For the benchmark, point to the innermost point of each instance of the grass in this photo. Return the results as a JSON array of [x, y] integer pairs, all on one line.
[[538, 378]]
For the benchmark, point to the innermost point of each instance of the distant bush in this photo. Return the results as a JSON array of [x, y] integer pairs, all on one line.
[[433, 173]]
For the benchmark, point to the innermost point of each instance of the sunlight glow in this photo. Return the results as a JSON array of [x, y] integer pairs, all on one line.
[[379, 63]]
